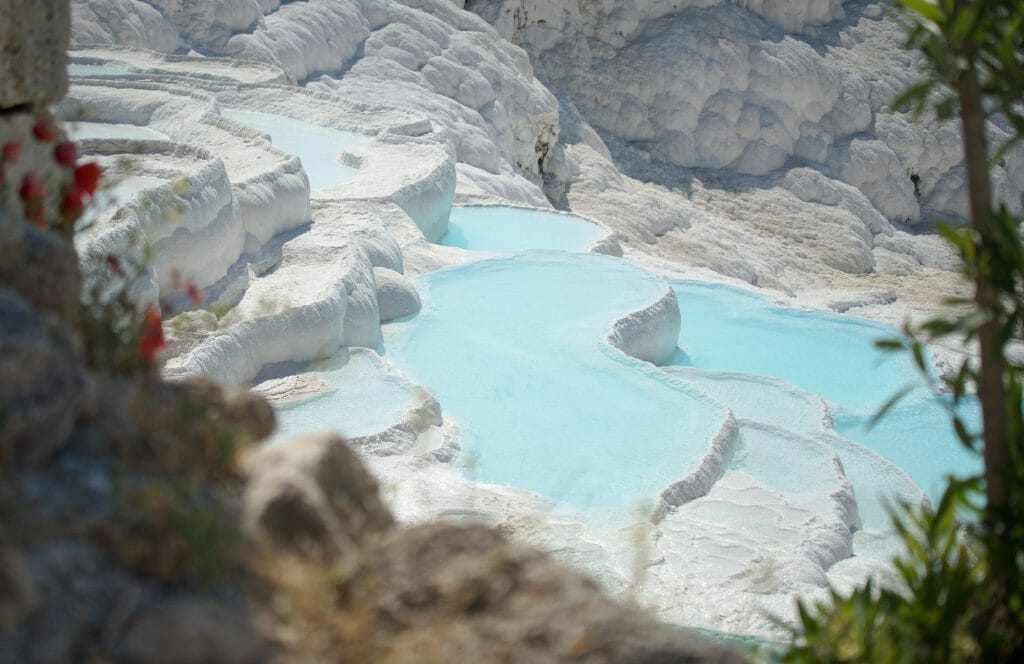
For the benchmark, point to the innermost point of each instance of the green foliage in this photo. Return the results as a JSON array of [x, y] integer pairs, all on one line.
[[989, 34], [931, 617], [961, 589]]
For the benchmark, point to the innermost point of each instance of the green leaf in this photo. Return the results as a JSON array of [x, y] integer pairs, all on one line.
[[889, 405], [926, 10]]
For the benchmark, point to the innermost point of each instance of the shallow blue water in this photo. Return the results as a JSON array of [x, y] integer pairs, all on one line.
[[361, 398], [835, 357], [512, 229], [918, 437], [318, 147], [515, 349]]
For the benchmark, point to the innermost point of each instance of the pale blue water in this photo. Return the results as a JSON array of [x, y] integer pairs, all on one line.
[[362, 398], [515, 350], [82, 130], [318, 147], [918, 437], [92, 69], [728, 329], [512, 229]]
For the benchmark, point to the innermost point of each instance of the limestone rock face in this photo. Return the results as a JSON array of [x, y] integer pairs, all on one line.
[[464, 593], [396, 296], [426, 56], [40, 266], [43, 388], [34, 37], [173, 427], [746, 87], [313, 495]]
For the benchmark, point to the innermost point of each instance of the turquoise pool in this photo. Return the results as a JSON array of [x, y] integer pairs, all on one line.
[[514, 229], [318, 147], [726, 329], [361, 396], [515, 350]]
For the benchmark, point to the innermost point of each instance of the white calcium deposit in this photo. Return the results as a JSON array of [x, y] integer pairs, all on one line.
[[751, 142]]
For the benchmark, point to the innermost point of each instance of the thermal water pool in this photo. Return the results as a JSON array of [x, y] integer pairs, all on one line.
[[84, 130], [515, 349], [318, 147], [726, 329], [361, 396], [513, 229], [99, 69]]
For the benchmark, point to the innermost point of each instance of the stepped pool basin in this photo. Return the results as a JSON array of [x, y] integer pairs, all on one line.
[[318, 147], [98, 69], [113, 196], [516, 351], [726, 329], [514, 229], [361, 396], [83, 130]]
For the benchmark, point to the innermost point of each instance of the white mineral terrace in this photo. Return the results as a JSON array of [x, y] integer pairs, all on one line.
[[645, 381]]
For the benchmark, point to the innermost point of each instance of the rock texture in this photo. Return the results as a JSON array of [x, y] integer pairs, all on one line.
[[44, 387], [33, 41], [465, 593], [435, 592], [313, 493]]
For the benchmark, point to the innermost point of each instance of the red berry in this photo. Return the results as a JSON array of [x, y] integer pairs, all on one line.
[[71, 206], [87, 177], [194, 294], [152, 339], [11, 152], [45, 131], [31, 186], [66, 153]]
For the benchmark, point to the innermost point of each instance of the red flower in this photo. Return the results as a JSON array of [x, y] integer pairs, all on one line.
[[11, 152], [152, 339], [45, 131], [66, 153], [31, 186], [87, 177], [71, 206], [194, 294], [37, 217]]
